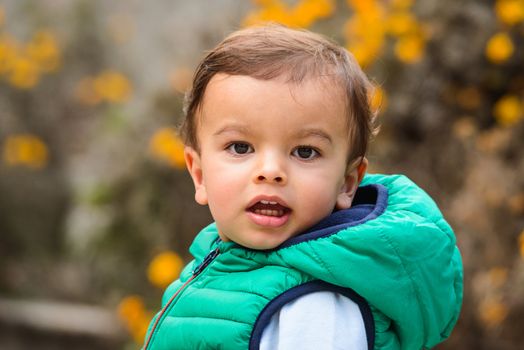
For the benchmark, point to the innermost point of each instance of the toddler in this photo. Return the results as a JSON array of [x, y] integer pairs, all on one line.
[[306, 251]]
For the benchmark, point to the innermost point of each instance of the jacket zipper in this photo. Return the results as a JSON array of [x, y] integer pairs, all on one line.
[[197, 271]]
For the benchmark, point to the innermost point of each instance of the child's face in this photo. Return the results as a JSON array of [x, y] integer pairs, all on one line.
[[272, 158]]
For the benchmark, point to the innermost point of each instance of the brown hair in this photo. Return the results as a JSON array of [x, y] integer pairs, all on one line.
[[274, 51]]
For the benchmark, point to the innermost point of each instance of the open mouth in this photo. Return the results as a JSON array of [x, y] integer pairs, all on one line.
[[269, 208]]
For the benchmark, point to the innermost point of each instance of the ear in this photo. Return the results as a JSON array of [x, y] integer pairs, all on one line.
[[194, 165], [354, 174]]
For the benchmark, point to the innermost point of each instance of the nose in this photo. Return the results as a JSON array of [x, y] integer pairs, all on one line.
[[270, 169]]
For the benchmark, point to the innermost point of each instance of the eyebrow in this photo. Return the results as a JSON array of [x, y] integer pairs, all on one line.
[[319, 133], [232, 128]]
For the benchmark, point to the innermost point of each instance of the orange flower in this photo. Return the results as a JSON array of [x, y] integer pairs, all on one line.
[[410, 48], [43, 50], [26, 150], [510, 12], [492, 312], [8, 52], [136, 318], [164, 269], [165, 145], [303, 14], [508, 110], [499, 48], [401, 23], [24, 73], [112, 86], [378, 99]]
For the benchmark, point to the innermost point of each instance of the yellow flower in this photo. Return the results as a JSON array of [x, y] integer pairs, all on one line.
[[8, 52], [378, 99], [164, 269], [492, 312], [365, 37], [508, 110], [401, 23], [43, 50], [131, 308], [510, 12], [410, 48], [499, 48], [136, 318], [26, 150], [401, 4], [23, 73], [521, 244], [112, 86], [165, 145], [303, 14]]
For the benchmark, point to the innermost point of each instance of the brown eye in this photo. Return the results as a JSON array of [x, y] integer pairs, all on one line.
[[240, 148], [305, 152]]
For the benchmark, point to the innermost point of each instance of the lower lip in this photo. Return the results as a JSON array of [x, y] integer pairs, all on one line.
[[268, 221]]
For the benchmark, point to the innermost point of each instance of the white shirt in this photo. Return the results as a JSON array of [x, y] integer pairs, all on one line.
[[319, 320]]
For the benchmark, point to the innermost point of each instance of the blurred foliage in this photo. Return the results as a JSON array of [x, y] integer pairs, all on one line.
[[95, 204]]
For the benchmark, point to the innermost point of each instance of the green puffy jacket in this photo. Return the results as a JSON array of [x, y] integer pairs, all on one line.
[[392, 253]]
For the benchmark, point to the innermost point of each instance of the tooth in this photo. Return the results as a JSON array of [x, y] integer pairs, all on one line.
[[280, 212], [272, 203], [264, 202], [257, 211]]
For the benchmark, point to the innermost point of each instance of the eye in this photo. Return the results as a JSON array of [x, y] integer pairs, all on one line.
[[239, 148], [305, 152]]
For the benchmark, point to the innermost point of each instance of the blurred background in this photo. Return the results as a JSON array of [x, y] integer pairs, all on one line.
[[97, 210]]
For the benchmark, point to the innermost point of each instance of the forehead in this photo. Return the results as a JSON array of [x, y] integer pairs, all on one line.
[[314, 101]]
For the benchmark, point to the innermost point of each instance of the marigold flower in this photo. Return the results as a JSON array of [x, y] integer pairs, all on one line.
[[164, 269], [401, 4], [499, 48], [25, 150], [43, 50], [508, 110], [303, 14], [8, 52], [112, 86], [24, 73], [131, 308], [401, 23], [410, 48], [492, 312], [510, 12], [136, 318], [165, 145], [378, 99]]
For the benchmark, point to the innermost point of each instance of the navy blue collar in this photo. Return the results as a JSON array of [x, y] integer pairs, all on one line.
[[370, 202]]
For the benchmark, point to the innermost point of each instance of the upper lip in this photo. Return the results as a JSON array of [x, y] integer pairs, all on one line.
[[269, 199]]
